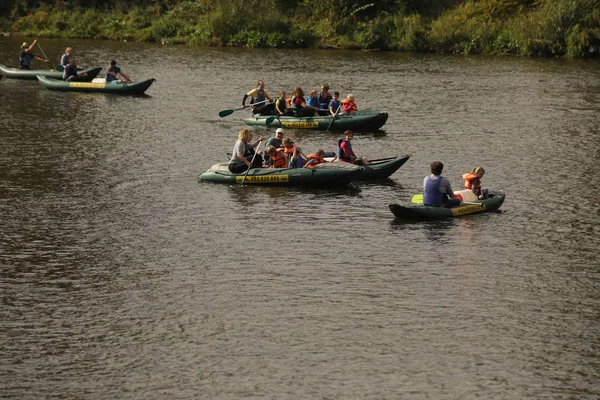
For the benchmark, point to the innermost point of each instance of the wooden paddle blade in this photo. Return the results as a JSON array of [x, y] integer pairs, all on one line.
[[225, 113], [417, 199]]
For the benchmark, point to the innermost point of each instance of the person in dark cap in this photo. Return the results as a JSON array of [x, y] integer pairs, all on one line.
[[114, 74], [26, 56]]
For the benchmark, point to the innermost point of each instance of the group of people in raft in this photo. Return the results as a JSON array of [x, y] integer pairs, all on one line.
[[317, 104], [114, 74], [284, 153]]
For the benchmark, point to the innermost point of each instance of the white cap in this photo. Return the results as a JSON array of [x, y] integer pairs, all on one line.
[[279, 130]]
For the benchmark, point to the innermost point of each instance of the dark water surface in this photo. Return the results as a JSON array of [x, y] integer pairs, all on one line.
[[122, 277]]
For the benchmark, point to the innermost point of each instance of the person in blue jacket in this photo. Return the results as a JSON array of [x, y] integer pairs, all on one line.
[[437, 191]]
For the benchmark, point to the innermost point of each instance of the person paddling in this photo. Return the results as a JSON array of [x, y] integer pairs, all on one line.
[[260, 95], [26, 56], [114, 74]]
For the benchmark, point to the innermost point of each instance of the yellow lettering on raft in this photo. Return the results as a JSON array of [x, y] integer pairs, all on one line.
[[88, 85], [299, 124], [263, 178], [467, 209]]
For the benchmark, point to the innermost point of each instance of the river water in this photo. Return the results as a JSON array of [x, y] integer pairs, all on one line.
[[123, 277]]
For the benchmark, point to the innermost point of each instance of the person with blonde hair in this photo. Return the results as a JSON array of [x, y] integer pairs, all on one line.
[[244, 154], [66, 58], [349, 104], [473, 182]]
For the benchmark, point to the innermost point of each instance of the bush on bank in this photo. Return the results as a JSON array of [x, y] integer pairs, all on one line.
[[488, 27]]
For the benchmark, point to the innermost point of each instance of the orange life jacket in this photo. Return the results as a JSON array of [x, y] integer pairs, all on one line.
[[469, 177], [278, 160], [317, 160], [349, 106], [288, 150]]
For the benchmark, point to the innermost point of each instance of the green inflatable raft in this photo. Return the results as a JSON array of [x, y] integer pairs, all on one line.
[[364, 120], [421, 212], [322, 175], [95, 87], [31, 74]]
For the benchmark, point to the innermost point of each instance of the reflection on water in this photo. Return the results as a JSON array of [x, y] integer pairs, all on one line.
[[124, 277]]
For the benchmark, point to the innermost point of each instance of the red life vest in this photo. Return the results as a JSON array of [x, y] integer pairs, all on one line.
[[349, 106], [278, 160], [317, 160], [469, 178]]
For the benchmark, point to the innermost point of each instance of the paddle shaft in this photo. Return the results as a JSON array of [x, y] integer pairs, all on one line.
[[225, 113], [251, 162], [334, 115], [45, 56]]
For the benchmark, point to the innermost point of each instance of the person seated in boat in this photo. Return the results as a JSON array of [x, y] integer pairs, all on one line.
[[324, 97], [260, 95], [281, 104], [334, 104], [276, 141], [277, 158], [437, 191], [317, 158], [70, 73], [244, 155], [313, 99], [65, 60], [26, 56], [293, 154], [115, 75], [349, 105], [301, 109], [345, 150], [473, 182]]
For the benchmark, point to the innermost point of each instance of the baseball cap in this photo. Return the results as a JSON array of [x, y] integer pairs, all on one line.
[[279, 130]]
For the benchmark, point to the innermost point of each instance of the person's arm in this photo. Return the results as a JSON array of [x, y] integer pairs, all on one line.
[[28, 50], [268, 96], [124, 75]]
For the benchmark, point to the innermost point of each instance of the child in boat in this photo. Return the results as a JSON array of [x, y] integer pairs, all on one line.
[[317, 158], [277, 158], [473, 182], [349, 105], [293, 153], [313, 99], [281, 104], [334, 104], [346, 152]]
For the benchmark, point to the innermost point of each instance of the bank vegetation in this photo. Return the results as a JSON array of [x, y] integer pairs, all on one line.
[[490, 27]]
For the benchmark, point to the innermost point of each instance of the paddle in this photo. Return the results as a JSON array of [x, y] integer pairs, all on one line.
[[251, 162], [225, 113], [334, 115], [269, 120], [46, 57], [418, 199]]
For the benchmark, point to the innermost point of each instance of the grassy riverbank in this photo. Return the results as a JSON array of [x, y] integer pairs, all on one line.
[[490, 27]]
